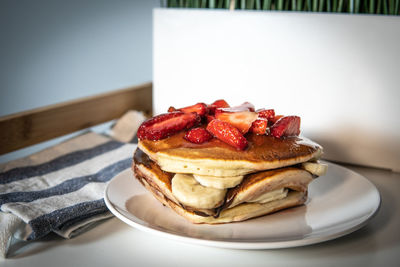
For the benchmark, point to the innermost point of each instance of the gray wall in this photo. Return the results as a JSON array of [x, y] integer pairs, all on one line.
[[52, 51]]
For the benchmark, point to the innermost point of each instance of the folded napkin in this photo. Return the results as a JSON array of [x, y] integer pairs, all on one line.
[[60, 189]]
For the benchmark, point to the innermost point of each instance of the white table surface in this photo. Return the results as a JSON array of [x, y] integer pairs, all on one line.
[[114, 243]]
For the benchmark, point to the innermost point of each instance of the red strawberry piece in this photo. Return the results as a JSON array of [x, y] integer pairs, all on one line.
[[164, 125], [286, 126], [259, 126], [274, 119], [217, 104], [198, 135], [269, 114], [171, 109], [220, 103], [199, 108], [227, 133], [209, 118], [211, 109], [246, 106], [241, 120]]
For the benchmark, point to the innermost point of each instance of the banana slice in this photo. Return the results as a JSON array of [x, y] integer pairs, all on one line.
[[315, 168], [271, 196], [218, 182], [191, 193]]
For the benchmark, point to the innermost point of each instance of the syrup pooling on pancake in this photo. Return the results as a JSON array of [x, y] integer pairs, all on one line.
[[261, 148]]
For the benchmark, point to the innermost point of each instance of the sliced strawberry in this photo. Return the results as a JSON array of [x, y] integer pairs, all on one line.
[[259, 126], [286, 126], [269, 114], [246, 106], [274, 119], [217, 104], [227, 133], [199, 108], [164, 125], [198, 135], [220, 103], [171, 109], [241, 120]]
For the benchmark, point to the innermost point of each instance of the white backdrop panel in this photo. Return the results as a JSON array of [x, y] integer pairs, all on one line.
[[340, 73]]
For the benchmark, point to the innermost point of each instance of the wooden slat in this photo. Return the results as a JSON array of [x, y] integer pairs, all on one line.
[[34, 126]]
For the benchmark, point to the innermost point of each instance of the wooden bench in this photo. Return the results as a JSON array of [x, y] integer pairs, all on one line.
[[31, 127]]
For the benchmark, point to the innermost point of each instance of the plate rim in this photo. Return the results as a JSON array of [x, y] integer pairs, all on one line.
[[307, 240]]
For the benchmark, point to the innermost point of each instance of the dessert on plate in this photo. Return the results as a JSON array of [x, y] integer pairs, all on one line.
[[219, 164]]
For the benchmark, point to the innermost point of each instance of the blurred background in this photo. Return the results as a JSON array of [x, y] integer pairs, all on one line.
[[56, 50]]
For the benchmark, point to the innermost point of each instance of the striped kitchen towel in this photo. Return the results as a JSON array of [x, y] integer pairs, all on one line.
[[59, 189]]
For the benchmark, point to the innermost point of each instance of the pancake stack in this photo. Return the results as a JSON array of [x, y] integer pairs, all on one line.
[[215, 182]]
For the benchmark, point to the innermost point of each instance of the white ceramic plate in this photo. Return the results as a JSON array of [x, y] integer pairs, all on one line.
[[339, 203]]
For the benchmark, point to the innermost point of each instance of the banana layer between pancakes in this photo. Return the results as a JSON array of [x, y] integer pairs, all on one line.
[[244, 201]]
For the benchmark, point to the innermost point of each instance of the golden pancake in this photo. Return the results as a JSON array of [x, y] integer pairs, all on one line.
[[216, 158]]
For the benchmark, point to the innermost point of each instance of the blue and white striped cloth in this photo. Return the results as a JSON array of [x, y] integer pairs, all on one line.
[[59, 189]]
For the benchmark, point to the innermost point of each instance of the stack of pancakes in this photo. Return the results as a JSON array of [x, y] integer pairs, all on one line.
[[216, 183]]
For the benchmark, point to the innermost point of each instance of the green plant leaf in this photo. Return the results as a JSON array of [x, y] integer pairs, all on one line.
[[250, 4], [357, 6], [334, 5], [315, 5], [280, 5], [391, 7], [379, 7], [258, 4], [321, 5], [371, 6], [267, 5], [328, 6], [340, 6], [385, 7]]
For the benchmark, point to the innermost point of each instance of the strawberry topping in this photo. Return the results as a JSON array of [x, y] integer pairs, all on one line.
[[259, 126], [209, 118], [171, 109], [241, 120], [220, 103], [286, 126], [228, 124], [274, 119], [246, 106], [269, 114], [217, 104], [164, 125], [199, 108], [227, 133], [198, 135]]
